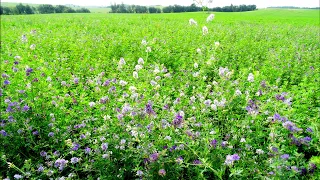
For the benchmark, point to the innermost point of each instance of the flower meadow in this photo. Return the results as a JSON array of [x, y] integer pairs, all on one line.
[[160, 96]]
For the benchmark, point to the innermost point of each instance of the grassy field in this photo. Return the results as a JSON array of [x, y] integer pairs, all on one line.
[[125, 96]]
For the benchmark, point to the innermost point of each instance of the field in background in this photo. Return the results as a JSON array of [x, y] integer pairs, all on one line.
[[239, 102]]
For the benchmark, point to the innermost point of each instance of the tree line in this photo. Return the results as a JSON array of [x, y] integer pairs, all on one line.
[[122, 8], [41, 9]]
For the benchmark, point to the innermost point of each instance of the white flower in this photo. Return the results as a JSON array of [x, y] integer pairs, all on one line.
[[238, 92], [33, 47], [153, 83], [91, 104], [204, 30], [192, 22], [17, 57], [135, 75], [140, 61], [157, 78], [195, 65], [242, 140], [199, 50], [24, 38], [148, 49], [250, 77], [132, 88], [49, 78], [123, 83], [217, 44], [214, 107], [223, 71], [259, 151], [138, 67], [144, 42], [156, 70], [210, 17], [122, 62], [196, 74]]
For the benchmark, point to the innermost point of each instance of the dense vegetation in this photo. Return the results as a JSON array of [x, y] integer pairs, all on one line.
[[122, 8], [160, 96], [41, 9]]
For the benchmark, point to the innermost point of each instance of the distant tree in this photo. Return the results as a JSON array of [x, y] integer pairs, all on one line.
[[69, 10], [46, 9], [1, 10], [28, 10], [60, 8], [21, 8], [83, 10], [6, 10], [152, 10]]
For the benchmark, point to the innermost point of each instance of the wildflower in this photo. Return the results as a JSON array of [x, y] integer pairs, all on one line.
[[139, 173], [199, 50], [178, 120], [148, 108], [51, 134], [25, 108], [91, 104], [17, 58], [75, 147], [140, 61], [238, 92], [154, 157], [123, 83], [138, 67], [33, 47], [207, 102], [24, 38], [87, 150], [204, 30], [223, 71], [3, 133], [148, 49], [6, 82], [195, 65], [309, 130], [231, 158], [250, 77], [144, 42], [40, 168], [210, 17], [104, 146], [179, 160], [74, 160], [121, 62], [290, 126], [192, 22], [217, 44], [135, 75], [60, 163], [213, 143], [162, 172], [242, 140], [259, 151], [197, 161], [18, 176], [285, 156]]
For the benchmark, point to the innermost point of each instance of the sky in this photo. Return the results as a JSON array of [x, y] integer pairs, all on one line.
[[216, 3]]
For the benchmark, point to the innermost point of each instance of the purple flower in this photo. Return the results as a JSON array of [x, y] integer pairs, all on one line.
[[309, 130], [231, 158], [60, 163], [76, 80], [51, 134], [25, 108], [75, 147], [285, 156], [28, 71], [74, 160], [35, 132], [56, 153], [18, 176], [197, 161], [87, 150], [179, 160], [3, 133], [149, 109], [224, 143], [290, 126], [162, 172], [43, 153], [6, 82], [154, 157], [276, 116], [40, 168], [274, 149], [213, 143], [178, 120], [104, 146], [313, 167], [280, 97], [173, 148], [139, 173]]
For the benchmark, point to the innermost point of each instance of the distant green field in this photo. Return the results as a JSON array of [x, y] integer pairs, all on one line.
[[149, 96]]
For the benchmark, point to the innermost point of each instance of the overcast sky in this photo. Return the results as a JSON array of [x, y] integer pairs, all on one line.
[[259, 3]]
